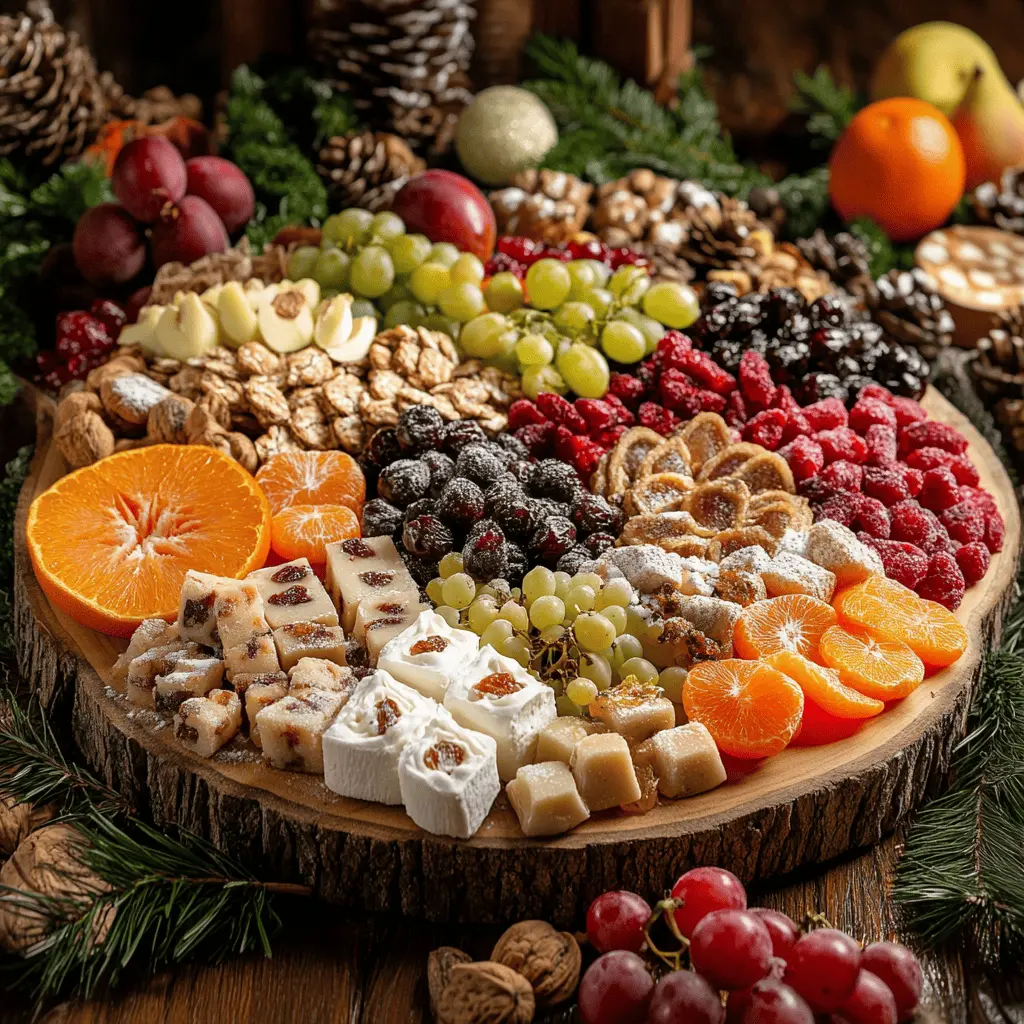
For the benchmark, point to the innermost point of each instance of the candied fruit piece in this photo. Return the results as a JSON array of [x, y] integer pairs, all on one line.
[[766, 428], [444, 756], [931, 434], [881, 443], [827, 414], [842, 443], [939, 489], [703, 369], [960, 466], [735, 412], [867, 412], [388, 713], [904, 562], [598, 413], [944, 582], [625, 387], [804, 456], [973, 560], [843, 475], [498, 684], [429, 645]]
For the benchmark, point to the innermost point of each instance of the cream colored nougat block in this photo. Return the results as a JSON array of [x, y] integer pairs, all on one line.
[[389, 607], [241, 681], [379, 630], [603, 769], [364, 568], [713, 617], [545, 799], [791, 574], [197, 618], [318, 674], [292, 593], [257, 656], [685, 759], [558, 739], [192, 677], [149, 634], [205, 724], [239, 612], [837, 548], [259, 696], [633, 709], [309, 640], [292, 729], [157, 661]]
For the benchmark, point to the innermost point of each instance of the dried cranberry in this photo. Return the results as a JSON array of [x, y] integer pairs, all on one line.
[[290, 597], [944, 582], [931, 434], [766, 428], [294, 573], [939, 489], [110, 314], [904, 562], [827, 414], [804, 456], [842, 443], [656, 417], [867, 412], [559, 411], [755, 379]]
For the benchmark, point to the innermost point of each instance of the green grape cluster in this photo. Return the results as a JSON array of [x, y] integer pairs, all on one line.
[[528, 623]]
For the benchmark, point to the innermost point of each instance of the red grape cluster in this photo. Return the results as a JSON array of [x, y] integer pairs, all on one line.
[[187, 208], [84, 341], [516, 253], [772, 972]]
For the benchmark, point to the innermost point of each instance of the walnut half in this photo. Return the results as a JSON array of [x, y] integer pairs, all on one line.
[[485, 991], [548, 959]]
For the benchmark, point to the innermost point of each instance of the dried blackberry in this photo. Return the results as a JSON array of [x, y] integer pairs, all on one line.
[[427, 537], [598, 543], [817, 386], [461, 503], [380, 518], [423, 507], [571, 561], [441, 467], [513, 446], [381, 450], [508, 505], [419, 429], [459, 433], [422, 570], [477, 463], [517, 563], [404, 482], [717, 292], [552, 539], [593, 514], [545, 508], [827, 311], [521, 470], [554, 479], [485, 554]]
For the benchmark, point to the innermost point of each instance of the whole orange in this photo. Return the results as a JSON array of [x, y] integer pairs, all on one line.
[[899, 162]]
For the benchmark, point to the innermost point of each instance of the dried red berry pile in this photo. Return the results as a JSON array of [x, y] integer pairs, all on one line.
[[84, 341], [516, 253]]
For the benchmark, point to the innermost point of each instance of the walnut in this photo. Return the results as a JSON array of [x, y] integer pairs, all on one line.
[[218, 408], [308, 367], [166, 423], [186, 382], [267, 401], [548, 959], [238, 446], [74, 403], [46, 862], [113, 368], [201, 427], [255, 359], [439, 966], [84, 439], [128, 397], [485, 992], [230, 391], [276, 440], [128, 444], [18, 820], [349, 433], [342, 393]]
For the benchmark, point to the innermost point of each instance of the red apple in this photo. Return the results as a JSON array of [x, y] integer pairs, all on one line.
[[446, 207]]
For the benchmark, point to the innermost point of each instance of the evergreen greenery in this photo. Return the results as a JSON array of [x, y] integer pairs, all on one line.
[[14, 476]]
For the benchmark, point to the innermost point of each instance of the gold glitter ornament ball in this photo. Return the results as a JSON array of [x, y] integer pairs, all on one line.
[[504, 130]]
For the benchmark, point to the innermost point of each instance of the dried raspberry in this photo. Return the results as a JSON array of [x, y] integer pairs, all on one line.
[[672, 350], [868, 411], [913, 478], [907, 410], [910, 522], [804, 456], [584, 455], [963, 523], [558, 410], [522, 413], [842, 443], [625, 387], [843, 475], [881, 442], [677, 391], [931, 458], [765, 428], [872, 517], [656, 417], [974, 561], [995, 533], [903, 562], [537, 437], [796, 421], [964, 470], [735, 410], [939, 490], [931, 434], [816, 490], [599, 415], [563, 443], [703, 369], [710, 401], [827, 414], [623, 416], [609, 438], [755, 379], [981, 498], [887, 485], [876, 391], [843, 508], [944, 581]]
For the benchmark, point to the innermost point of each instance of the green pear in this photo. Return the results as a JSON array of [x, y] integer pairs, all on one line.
[[990, 123], [934, 62]]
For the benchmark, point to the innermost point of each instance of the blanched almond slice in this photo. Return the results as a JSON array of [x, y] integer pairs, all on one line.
[[728, 460], [627, 456], [718, 505], [766, 472], [663, 492], [705, 435], [671, 456]]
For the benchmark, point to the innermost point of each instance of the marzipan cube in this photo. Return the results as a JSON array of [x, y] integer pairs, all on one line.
[[633, 709], [545, 799], [603, 768], [149, 634], [291, 730], [197, 619], [256, 656], [365, 568], [685, 759], [239, 611], [292, 593], [241, 681], [379, 627], [157, 661], [259, 696], [309, 640], [192, 677], [558, 739], [205, 724]]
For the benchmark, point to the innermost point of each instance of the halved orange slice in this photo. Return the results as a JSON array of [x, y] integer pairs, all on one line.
[[312, 478], [304, 531], [792, 622], [111, 543], [750, 709], [883, 669], [823, 686]]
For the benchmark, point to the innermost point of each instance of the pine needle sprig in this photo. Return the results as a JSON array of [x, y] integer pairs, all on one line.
[[830, 107]]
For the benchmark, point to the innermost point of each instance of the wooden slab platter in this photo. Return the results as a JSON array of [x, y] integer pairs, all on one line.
[[802, 807]]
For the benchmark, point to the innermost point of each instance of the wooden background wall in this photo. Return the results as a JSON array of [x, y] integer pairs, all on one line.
[[191, 45]]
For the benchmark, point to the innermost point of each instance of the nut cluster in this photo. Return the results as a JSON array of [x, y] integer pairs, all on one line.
[[252, 403], [551, 206], [236, 264]]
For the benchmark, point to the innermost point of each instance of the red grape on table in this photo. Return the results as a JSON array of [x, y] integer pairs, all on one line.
[[148, 174]]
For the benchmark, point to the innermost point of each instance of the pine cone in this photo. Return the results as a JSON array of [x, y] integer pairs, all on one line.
[[721, 233], [906, 303], [666, 264], [154, 106], [844, 257], [548, 206], [1009, 413], [403, 61], [767, 204], [367, 168], [999, 365], [1001, 205], [52, 99]]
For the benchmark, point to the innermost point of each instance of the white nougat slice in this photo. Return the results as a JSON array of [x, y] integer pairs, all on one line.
[[428, 654], [239, 613], [448, 777], [297, 640], [292, 593], [197, 619], [497, 696], [205, 724], [365, 568], [257, 656], [157, 661], [291, 730], [149, 634], [319, 674], [362, 747], [545, 799], [192, 677], [259, 696]]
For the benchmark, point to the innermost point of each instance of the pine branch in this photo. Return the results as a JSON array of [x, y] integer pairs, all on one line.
[[830, 107], [14, 476]]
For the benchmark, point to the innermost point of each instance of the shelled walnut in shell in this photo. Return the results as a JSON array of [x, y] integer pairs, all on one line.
[[252, 403]]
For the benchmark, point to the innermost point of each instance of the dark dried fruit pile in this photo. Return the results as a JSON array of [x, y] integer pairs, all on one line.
[[445, 487]]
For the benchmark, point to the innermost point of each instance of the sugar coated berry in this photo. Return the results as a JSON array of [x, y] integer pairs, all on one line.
[[876, 392], [626, 387], [962, 522], [843, 476], [907, 410], [842, 443], [599, 415], [523, 413], [842, 507], [658, 418], [703, 369], [867, 412], [873, 517], [944, 582], [823, 968], [616, 920], [703, 890], [904, 562], [827, 414], [672, 350], [913, 478], [974, 561], [881, 443], [755, 379], [765, 428], [995, 533], [735, 413], [731, 948], [870, 1002], [616, 989], [910, 522], [537, 437], [931, 434], [781, 928], [939, 489], [899, 969], [560, 411], [804, 457], [887, 485]]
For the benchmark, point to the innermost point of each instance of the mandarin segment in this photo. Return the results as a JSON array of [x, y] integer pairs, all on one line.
[[312, 478], [824, 686], [791, 622], [882, 669], [304, 531], [751, 709], [111, 543], [890, 611]]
